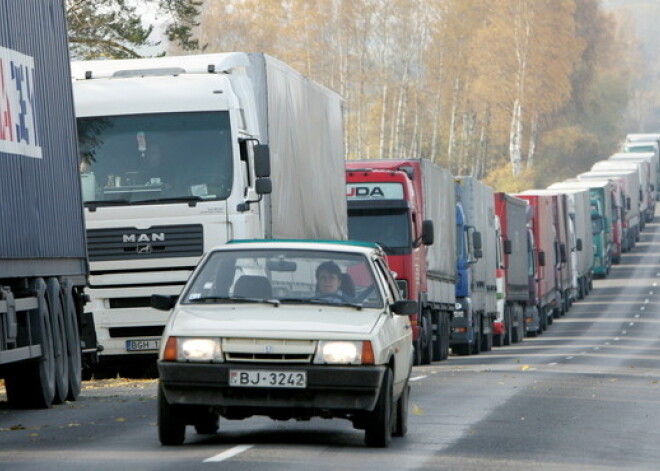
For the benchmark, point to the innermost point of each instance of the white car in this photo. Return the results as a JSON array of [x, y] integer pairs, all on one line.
[[253, 333]]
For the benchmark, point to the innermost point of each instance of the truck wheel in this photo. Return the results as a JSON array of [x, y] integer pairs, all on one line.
[[401, 418], [417, 352], [34, 386], [74, 355], [475, 348], [378, 433], [59, 341], [207, 423], [487, 342], [426, 340], [508, 328], [171, 424], [441, 343]]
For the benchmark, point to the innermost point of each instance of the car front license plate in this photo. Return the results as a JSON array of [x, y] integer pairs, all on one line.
[[267, 379], [141, 345]]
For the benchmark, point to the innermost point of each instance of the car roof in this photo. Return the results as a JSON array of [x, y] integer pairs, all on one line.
[[304, 244]]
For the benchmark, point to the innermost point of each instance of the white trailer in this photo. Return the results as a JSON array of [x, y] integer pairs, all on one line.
[[181, 154], [582, 248]]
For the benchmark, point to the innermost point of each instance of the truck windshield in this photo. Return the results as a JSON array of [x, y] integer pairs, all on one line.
[[391, 230], [139, 159]]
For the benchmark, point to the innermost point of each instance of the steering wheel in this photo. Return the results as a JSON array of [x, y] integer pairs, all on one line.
[[330, 297], [365, 294]]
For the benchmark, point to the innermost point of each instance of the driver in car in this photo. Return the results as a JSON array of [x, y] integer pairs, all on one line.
[[329, 283]]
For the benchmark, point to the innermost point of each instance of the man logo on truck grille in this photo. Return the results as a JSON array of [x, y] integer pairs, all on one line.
[[133, 238]]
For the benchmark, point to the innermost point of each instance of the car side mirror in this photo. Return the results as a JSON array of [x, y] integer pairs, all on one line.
[[578, 245], [404, 307], [562, 253], [508, 246], [163, 302]]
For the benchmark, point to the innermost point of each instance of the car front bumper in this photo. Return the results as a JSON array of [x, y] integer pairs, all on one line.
[[345, 388]]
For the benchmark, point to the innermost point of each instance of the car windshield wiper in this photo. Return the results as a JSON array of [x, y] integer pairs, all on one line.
[[320, 301], [227, 299]]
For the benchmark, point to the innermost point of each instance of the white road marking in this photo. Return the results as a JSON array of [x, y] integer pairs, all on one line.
[[655, 284], [646, 301], [417, 378], [624, 332], [225, 455], [569, 358], [552, 364], [631, 324], [637, 316], [642, 308]]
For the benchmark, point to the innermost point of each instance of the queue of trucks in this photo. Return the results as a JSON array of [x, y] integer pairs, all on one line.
[[116, 176]]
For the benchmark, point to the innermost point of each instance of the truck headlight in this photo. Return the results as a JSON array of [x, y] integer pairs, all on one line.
[[344, 353], [193, 349]]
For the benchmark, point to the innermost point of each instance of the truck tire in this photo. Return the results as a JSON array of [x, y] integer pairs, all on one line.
[[171, 422], [441, 342], [34, 385], [508, 327], [426, 339], [378, 433], [59, 340], [74, 355], [401, 417], [475, 347]]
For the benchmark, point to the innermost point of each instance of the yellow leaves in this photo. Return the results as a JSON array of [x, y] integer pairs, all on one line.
[[525, 368], [416, 410], [502, 179]]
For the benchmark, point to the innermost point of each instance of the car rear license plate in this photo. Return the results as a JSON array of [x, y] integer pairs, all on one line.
[[267, 379], [141, 345]]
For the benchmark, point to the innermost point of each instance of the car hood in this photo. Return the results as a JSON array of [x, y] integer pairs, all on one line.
[[257, 318]]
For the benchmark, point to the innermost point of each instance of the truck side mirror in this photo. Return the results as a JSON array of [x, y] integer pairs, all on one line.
[[628, 203], [263, 186], [562, 252], [162, 302], [404, 307], [541, 258], [578, 245], [476, 240], [261, 161], [508, 246], [427, 232]]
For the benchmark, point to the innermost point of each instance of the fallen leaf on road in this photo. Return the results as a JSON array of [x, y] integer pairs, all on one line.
[[416, 410], [524, 367], [120, 419]]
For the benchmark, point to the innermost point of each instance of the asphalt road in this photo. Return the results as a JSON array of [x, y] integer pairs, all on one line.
[[583, 396]]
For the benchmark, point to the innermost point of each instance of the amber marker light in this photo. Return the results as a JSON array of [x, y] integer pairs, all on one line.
[[367, 353], [170, 352]]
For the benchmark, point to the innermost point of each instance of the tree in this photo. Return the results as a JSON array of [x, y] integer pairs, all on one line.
[[115, 28]]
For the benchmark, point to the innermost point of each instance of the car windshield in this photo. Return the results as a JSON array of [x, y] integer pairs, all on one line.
[[285, 276], [154, 158]]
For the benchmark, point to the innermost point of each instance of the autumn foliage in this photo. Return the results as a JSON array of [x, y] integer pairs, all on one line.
[[482, 87]]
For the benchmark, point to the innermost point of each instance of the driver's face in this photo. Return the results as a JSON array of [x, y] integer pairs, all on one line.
[[328, 282]]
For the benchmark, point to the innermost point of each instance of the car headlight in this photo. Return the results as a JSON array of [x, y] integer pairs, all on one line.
[[193, 349], [344, 353]]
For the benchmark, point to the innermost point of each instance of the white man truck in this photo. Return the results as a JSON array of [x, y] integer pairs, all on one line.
[[181, 154]]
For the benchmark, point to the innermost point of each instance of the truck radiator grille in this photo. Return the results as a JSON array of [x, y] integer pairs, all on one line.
[[129, 243]]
